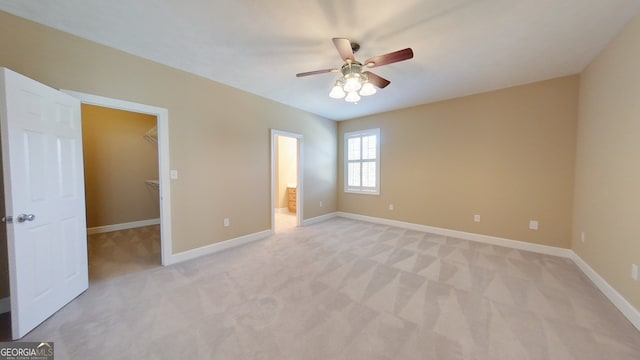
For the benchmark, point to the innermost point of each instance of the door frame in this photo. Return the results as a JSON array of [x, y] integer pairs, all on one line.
[[299, 183], [162, 116]]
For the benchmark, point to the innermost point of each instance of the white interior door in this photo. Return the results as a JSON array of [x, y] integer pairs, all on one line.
[[44, 193]]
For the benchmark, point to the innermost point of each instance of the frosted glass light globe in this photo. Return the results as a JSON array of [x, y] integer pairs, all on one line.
[[367, 89], [352, 97], [352, 83], [337, 92]]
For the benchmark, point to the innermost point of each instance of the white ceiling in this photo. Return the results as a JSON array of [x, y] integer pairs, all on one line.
[[461, 47]]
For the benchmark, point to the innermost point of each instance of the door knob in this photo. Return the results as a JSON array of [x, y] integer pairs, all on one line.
[[25, 217]]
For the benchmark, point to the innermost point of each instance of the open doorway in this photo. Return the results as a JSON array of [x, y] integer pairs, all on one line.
[[158, 187], [120, 150], [286, 192]]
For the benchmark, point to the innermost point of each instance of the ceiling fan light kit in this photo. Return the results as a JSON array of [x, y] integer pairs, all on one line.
[[355, 83]]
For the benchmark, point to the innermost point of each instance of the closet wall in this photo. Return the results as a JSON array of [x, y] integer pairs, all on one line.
[[117, 160]]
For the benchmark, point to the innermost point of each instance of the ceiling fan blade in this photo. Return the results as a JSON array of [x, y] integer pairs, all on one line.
[[316, 72], [389, 58], [344, 49], [377, 80]]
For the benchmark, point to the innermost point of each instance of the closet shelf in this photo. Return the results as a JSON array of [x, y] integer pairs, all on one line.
[[152, 135], [153, 183]]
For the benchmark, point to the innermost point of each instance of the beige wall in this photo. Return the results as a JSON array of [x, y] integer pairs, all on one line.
[[117, 160], [287, 160], [506, 155], [607, 199], [219, 136]]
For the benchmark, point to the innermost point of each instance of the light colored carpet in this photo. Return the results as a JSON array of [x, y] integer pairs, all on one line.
[[346, 289]]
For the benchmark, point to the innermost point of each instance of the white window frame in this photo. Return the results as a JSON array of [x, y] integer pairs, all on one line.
[[361, 189]]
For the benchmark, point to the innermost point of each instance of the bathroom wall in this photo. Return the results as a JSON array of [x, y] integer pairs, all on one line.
[[286, 168]]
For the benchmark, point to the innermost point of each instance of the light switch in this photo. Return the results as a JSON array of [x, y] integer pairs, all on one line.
[[173, 174]]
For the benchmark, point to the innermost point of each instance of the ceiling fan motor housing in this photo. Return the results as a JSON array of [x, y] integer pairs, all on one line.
[[353, 78], [354, 67]]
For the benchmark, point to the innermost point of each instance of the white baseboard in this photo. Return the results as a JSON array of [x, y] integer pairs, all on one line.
[[514, 244], [123, 226], [628, 310], [227, 244], [217, 247], [319, 219], [5, 305]]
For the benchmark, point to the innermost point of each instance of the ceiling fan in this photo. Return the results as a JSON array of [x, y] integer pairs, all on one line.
[[355, 82]]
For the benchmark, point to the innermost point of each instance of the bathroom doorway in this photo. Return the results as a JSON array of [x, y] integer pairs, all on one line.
[[286, 194]]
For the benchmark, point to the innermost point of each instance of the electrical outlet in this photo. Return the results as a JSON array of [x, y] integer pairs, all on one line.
[[533, 224], [227, 222], [476, 218], [391, 207], [634, 272], [320, 203], [583, 237]]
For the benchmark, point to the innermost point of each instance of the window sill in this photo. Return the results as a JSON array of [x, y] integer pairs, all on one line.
[[377, 193]]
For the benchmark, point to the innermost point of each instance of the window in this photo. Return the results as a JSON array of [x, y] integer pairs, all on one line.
[[362, 162]]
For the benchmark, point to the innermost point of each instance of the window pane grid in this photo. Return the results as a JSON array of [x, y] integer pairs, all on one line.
[[369, 147], [368, 174], [354, 149], [354, 174], [361, 161]]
